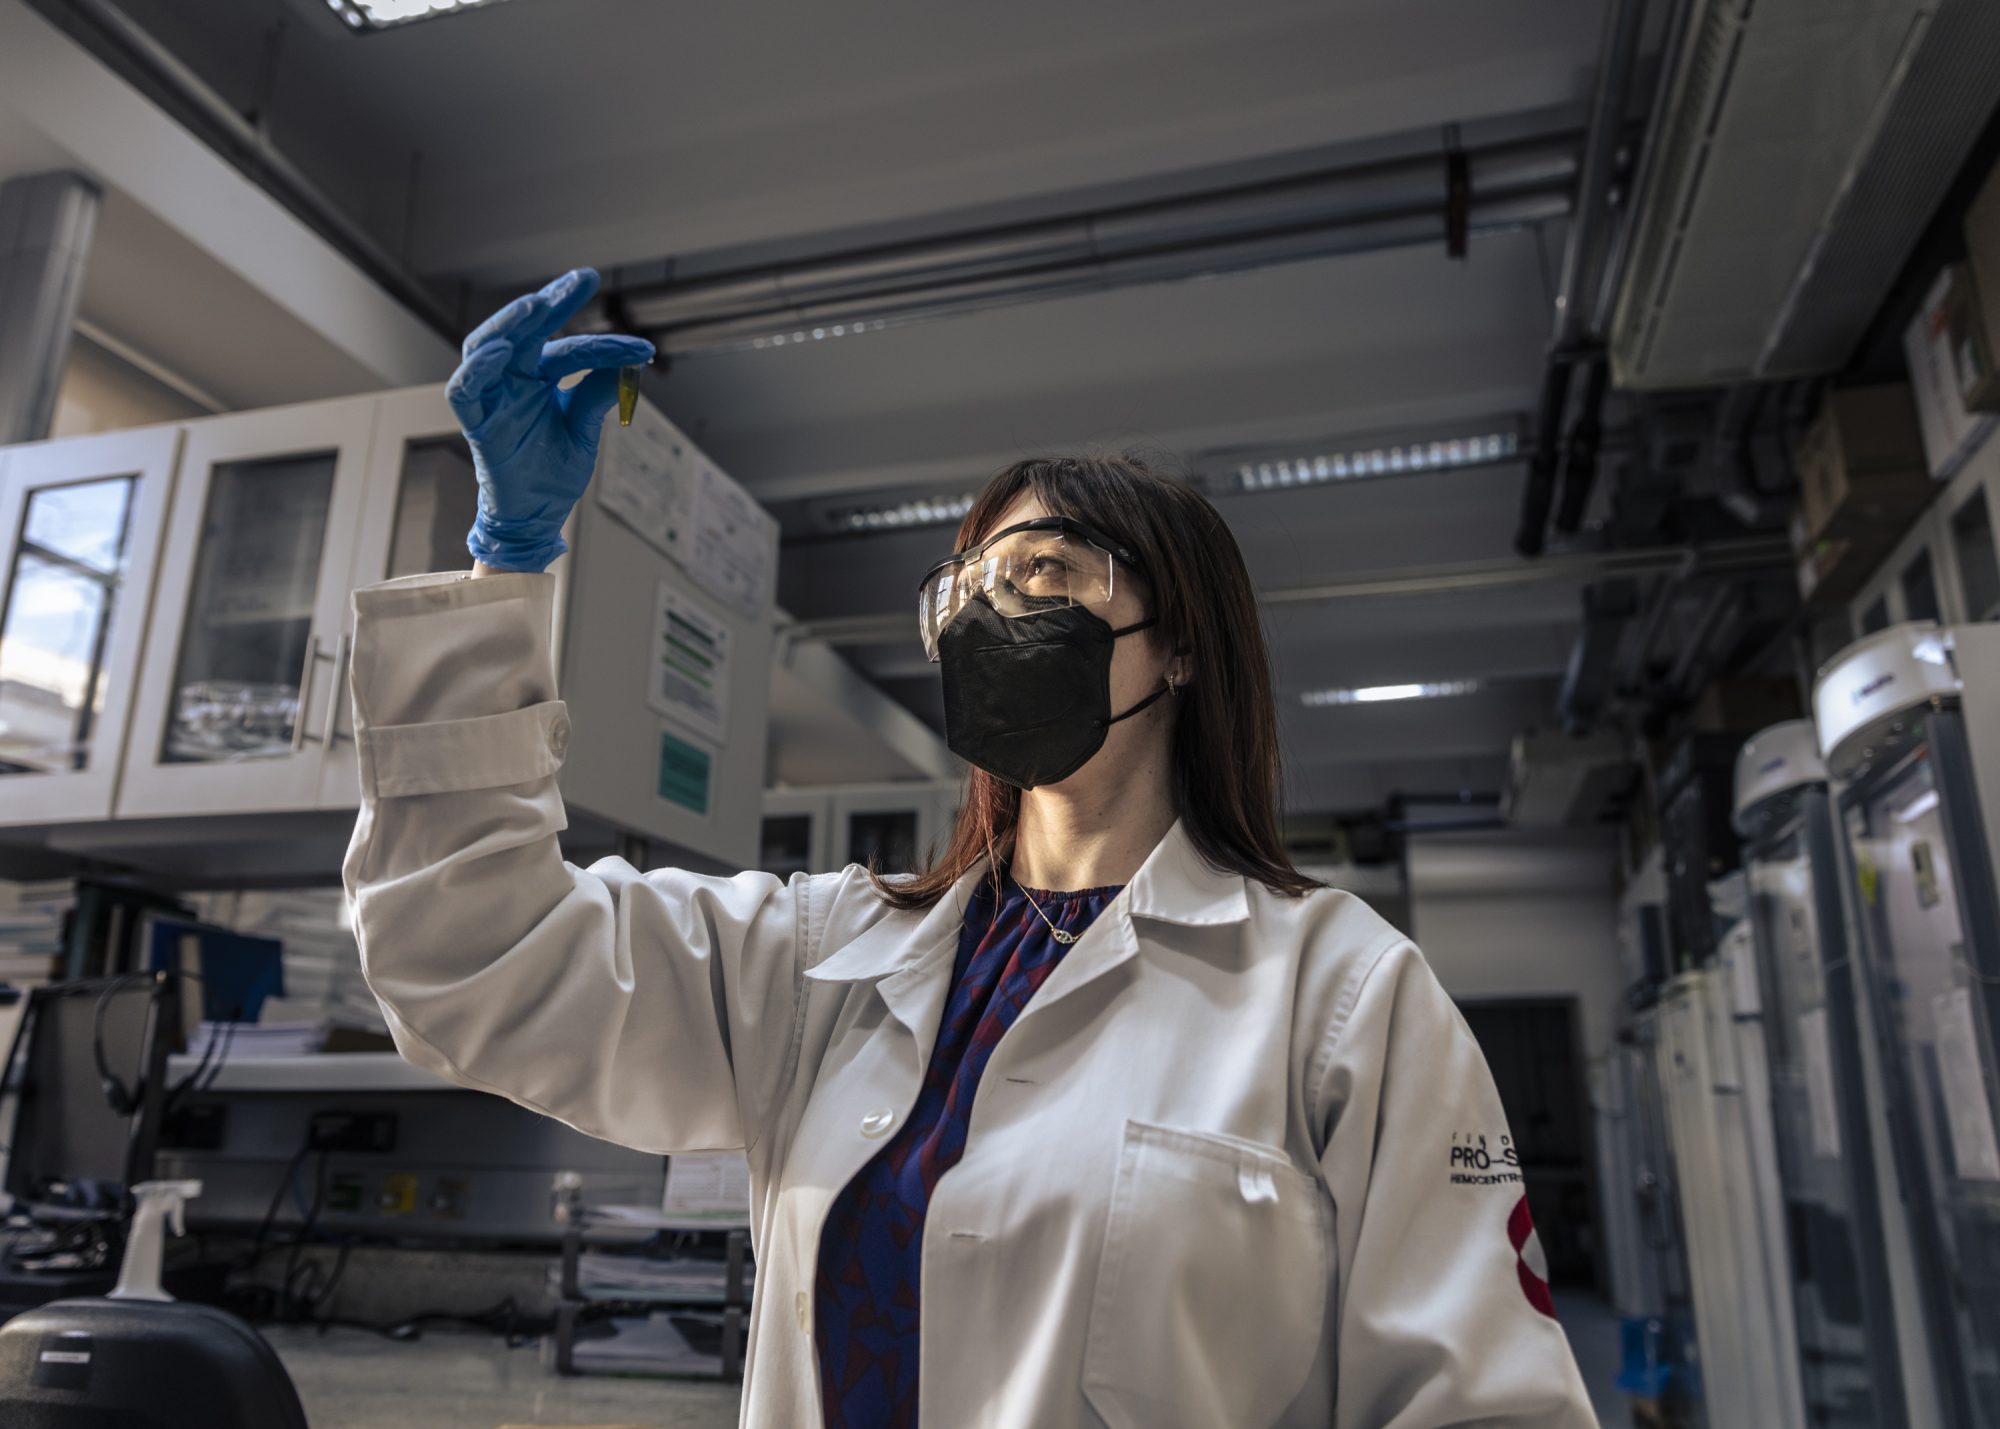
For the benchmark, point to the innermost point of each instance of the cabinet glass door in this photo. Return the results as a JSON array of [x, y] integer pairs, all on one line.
[[79, 530], [1929, 985], [246, 651], [418, 501], [247, 645]]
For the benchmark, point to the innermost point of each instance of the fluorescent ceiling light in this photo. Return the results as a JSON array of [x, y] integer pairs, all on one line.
[[925, 511], [385, 14], [1360, 459], [819, 332], [1380, 694]]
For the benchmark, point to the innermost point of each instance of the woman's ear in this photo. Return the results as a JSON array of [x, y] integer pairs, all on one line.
[[1179, 670]]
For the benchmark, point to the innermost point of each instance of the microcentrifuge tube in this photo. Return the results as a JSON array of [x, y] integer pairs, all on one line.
[[628, 394]]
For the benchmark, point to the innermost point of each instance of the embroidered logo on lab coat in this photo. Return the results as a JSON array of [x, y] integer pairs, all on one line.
[[1474, 1163], [1529, 1262]]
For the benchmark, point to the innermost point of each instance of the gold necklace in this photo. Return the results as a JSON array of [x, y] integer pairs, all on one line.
[[1060, 936]]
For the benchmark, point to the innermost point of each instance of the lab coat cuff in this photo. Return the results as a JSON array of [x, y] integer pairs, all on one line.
[[449, 756], [439, 648]]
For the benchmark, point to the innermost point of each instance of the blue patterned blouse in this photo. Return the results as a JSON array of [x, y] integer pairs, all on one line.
[[866, 1311]]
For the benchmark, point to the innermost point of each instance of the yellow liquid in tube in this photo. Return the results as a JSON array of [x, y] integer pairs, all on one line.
[[628, 394]]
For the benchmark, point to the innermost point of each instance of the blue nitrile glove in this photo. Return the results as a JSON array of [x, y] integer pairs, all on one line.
[[534, 445]]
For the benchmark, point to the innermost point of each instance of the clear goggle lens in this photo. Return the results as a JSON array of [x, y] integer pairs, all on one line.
[[1018, 572]]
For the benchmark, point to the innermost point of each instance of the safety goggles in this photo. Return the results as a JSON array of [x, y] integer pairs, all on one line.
[[1037, 565]]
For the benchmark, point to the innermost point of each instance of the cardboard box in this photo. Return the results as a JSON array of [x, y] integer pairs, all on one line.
[[1982, 248], [1970, 346], [1744, 706], [1861, 466], [1938, 359], [1832, 571]]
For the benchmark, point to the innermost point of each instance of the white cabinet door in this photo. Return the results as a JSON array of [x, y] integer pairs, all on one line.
[[79, 535], [796, 834], [418, 499], [892, 827], [1971, 556], [245, 649]]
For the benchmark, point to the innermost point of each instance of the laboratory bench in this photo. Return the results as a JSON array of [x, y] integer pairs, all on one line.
[[352, 1379]]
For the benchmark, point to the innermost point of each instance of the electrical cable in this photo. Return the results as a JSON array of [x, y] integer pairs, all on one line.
[[292, 1265], [271, 1211], [123, 1100]]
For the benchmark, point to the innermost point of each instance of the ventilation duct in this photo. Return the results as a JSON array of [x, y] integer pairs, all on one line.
[[1805, 146], [1557, 781], [1398, 203]]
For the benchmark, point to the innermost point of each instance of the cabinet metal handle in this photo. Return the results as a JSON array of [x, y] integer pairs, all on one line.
[[328, 730], [305, 694]]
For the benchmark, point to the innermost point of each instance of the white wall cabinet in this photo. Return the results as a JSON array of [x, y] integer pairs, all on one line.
[[1946, 567], [225, 697], [823, 829], [245, 653], [79, 534]]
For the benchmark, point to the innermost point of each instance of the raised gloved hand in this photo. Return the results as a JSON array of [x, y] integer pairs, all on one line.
[[534, 445]]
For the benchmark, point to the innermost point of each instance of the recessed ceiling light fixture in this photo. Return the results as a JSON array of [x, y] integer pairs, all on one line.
[[925, 511], [367, 15], [1380, 694], [1362, 458]]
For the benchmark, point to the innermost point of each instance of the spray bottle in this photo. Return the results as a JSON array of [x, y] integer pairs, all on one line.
[[160, 1203]]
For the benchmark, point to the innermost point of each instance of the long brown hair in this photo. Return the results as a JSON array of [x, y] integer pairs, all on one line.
[[1225, 751]]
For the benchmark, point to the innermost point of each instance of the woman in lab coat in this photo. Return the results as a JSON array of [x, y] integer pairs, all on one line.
[[1233, 1157]]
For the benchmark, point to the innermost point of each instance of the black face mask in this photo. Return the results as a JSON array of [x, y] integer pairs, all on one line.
[[1027, 698]]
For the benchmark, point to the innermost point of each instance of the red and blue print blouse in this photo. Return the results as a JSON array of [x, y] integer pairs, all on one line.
[[866, 1310]]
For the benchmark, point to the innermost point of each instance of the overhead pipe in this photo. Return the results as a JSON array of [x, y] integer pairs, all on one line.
[[1364, 208], [218, 123], [1579, 458], [1607, 609], [1715, 612], [1728, 456], [1618, 55]]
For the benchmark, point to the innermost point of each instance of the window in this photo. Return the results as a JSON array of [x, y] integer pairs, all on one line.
[[55, 615], [1876, 617]]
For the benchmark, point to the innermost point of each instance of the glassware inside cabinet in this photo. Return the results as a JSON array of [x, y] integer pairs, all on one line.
[[55, 615], [247, 639]]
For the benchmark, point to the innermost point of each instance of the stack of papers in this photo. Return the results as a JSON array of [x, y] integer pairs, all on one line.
[[648, 1345], [322, 963], [31, 928], [615, 1277], [244, 1041]]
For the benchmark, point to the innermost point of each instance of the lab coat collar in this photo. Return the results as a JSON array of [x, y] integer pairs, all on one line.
[[1177, 885], [1174, 885], [902, 938]]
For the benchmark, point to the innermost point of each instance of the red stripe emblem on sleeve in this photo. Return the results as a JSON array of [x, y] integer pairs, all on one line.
[[1529, 1262]]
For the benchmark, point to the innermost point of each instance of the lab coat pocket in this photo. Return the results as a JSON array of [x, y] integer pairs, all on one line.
[[1213, 1284]]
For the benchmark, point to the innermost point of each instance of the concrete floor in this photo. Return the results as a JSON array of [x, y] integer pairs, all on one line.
[[1593, 1336], [349, 1379]]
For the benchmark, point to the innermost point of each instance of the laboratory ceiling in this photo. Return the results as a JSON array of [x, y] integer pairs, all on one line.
[[492, 148]]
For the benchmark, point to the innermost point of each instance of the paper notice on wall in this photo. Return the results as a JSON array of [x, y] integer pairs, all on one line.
[[1962, 1074], [641, 475], [708, 1186], [660, 484], [1821, 1111], [687, 676], [728, 542]]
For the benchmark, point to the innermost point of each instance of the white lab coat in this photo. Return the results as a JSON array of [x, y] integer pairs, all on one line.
[[1211, 1176]]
